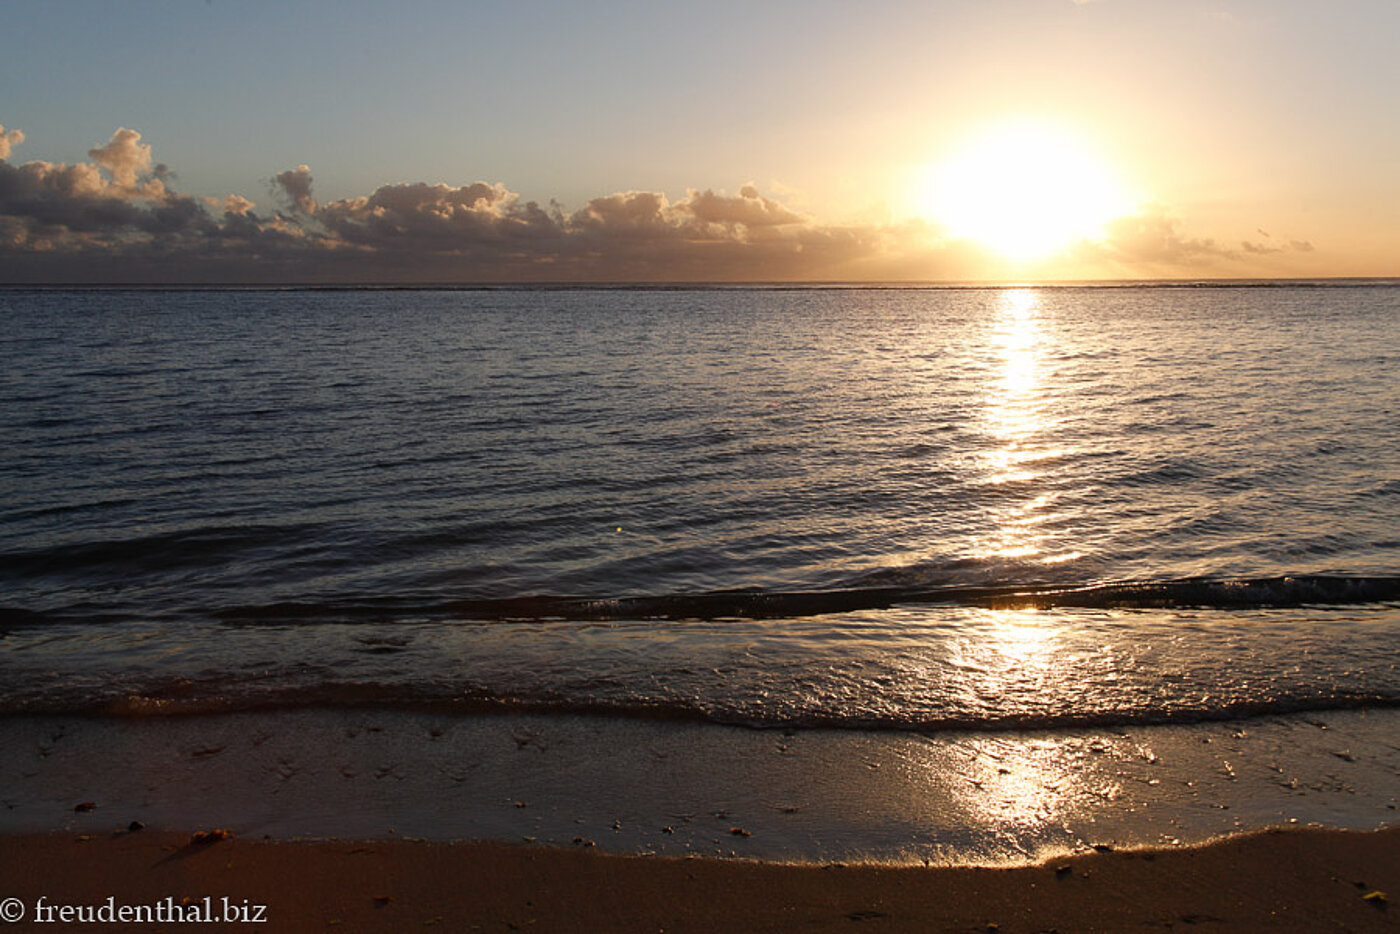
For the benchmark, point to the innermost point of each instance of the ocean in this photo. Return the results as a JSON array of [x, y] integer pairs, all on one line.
[[800, 508]]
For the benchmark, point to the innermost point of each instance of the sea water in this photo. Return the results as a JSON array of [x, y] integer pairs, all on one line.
[[811, 509]]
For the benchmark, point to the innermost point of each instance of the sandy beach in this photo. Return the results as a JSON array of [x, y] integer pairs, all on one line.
[[355, 820], [1306, 880], [678, 789]]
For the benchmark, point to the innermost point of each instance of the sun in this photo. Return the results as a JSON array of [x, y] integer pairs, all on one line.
[[1024, 189]]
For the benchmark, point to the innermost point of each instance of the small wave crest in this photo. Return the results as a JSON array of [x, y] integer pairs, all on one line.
[[188, 699], [1199, 592]]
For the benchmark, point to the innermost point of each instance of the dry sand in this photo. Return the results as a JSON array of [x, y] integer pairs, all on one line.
[[1299, 880]]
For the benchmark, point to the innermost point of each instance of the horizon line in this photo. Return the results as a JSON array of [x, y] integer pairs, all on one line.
[[701, 285]]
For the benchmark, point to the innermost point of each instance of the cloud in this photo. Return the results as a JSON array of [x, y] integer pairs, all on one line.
[[1150, 242], [8, 140], [626, 215], [1269, 245], [296, 185], [1153, 236], [128, 161], [749, 209], [118, 218], [235, 205], [103, 204]]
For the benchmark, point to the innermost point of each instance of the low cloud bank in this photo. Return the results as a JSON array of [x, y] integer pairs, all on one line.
[[118, 219]]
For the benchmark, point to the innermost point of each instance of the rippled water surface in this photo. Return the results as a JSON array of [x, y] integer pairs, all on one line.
[[826, 507]]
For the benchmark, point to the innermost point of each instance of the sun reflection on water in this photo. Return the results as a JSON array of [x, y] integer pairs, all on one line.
[[1020, 640], [1011, 659], [1014, 409], [1018, 424]]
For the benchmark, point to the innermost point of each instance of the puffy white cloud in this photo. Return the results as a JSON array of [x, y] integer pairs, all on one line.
[[125, 157], [8, 140], [235, 205], [749, 209]]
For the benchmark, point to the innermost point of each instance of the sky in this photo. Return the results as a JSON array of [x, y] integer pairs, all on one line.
[[821, 140]]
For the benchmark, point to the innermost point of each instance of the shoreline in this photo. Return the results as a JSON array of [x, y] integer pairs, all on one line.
[[1294, 880]]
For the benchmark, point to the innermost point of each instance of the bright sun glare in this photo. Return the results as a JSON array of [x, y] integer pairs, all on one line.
[[1023, 189]]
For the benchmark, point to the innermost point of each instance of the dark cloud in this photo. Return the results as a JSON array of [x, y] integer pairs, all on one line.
[[120, 208], [295, 184], [625, 216], [116, 219]]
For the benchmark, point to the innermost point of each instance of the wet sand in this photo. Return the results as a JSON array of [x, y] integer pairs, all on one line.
[[1300, 880], [648, 787], [352, 820]]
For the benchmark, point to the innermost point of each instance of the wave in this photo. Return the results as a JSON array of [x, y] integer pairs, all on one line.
[[933, 665], [1181, 593], [186, 699], [1194, 592], [184, 547]]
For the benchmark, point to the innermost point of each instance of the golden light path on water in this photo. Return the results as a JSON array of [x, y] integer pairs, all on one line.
[[1036, 783], [1018, 420]]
